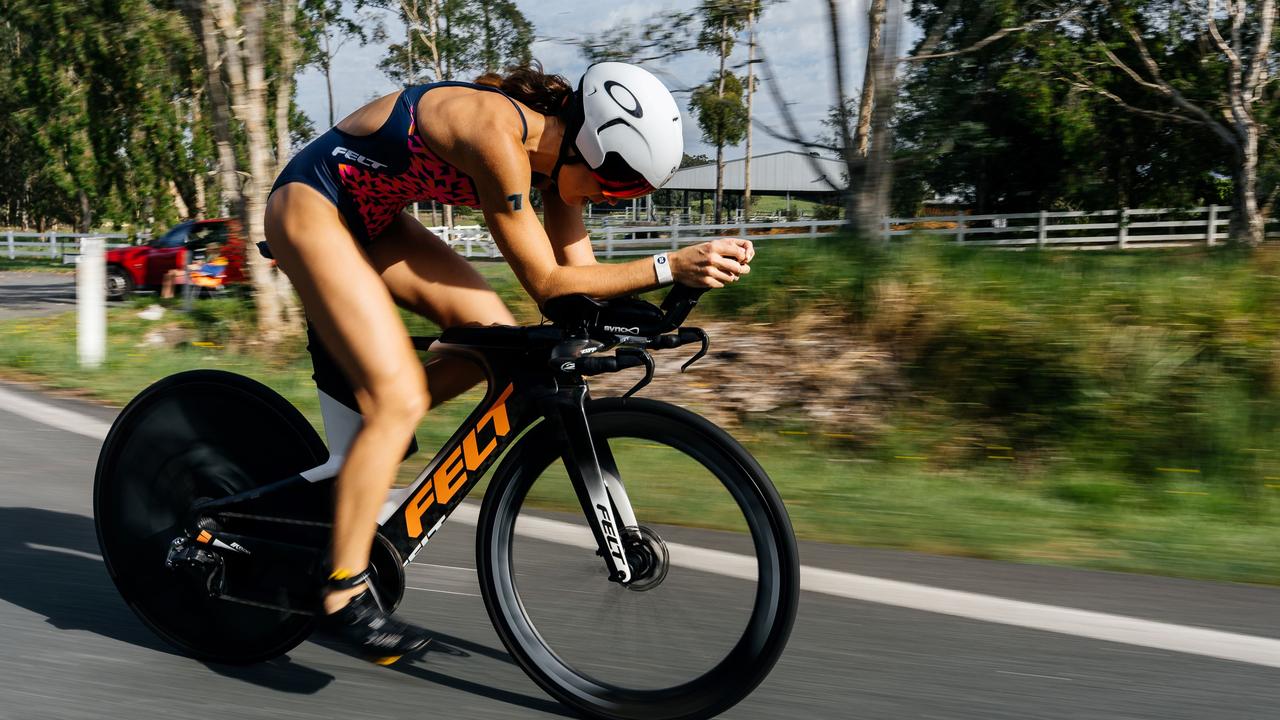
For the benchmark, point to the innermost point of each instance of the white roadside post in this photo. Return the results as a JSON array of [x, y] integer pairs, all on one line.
[[91, 303]]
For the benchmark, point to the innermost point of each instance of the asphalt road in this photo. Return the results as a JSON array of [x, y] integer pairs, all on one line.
[[33, 294], [72, 649]]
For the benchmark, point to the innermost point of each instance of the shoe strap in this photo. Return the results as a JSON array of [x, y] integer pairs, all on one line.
[[341, 579]]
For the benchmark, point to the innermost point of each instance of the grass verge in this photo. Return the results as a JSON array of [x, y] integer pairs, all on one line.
[[1062, 513]]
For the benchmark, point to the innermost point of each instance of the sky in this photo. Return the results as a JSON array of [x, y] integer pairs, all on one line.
[[795, 34]]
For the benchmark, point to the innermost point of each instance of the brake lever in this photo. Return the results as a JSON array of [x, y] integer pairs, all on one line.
[[648, 368], [696, 334]]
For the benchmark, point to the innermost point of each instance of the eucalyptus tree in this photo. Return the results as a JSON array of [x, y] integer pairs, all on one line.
[[96, 115], [323, 30]]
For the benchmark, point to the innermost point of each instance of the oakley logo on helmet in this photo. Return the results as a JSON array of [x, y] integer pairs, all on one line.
[[627, 101]]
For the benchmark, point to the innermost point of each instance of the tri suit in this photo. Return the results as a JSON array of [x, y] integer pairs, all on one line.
[[371, 179]]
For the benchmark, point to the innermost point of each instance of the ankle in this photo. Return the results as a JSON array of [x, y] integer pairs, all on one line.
[[335, 600]]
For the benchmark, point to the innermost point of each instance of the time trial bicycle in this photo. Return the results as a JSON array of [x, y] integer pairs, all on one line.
[[635, 560]]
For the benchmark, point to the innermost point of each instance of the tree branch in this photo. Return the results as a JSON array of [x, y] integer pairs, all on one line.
[[1258, 65], [1002, 32], [796, 136], [1209, 19], [1080, 82], [1162, 86]]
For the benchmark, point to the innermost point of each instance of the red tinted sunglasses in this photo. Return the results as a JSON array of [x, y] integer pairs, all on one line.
[[618, 181]]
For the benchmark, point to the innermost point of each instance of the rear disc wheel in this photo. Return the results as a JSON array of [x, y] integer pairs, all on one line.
[[196, 436]]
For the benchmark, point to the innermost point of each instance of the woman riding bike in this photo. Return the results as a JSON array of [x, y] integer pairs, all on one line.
[[336, 225]]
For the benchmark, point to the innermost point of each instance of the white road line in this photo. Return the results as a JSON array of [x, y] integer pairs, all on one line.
[[57, 417], [65, 551], [445, 592], [986, 608]]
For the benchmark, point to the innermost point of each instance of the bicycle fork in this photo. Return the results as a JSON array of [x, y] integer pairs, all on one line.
[[596, 480]]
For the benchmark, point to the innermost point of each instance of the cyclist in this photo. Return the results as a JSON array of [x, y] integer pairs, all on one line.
[[336, 226]]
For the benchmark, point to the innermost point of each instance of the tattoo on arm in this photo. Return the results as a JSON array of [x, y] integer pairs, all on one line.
[[517, 201]]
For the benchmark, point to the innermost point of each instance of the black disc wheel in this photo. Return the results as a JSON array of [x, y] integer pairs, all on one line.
[[715, 574], [196, 436]]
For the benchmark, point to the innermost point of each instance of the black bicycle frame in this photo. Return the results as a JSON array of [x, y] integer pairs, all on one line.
[[520, 393]]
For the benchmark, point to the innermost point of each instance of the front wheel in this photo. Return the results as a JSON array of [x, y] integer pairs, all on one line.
[[715, 569]]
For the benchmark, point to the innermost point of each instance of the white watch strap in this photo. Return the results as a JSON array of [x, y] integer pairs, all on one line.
[[662, 266]]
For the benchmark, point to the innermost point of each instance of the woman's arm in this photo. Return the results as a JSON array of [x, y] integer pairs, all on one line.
[[501, 172], [563, 224]]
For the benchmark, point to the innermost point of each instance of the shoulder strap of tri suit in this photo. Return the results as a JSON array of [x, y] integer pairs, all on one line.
[[414, 93]]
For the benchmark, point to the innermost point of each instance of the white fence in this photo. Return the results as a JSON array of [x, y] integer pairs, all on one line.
[[1103, 229], [61, 247], [1122, 229], [610, 241]]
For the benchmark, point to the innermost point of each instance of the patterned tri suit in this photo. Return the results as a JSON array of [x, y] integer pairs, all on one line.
[[371, 179]]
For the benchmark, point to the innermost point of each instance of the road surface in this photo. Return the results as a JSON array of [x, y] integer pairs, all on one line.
[[930, 637]]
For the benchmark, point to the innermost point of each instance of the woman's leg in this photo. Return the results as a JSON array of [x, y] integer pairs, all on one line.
[[356, 319], [426, 276]]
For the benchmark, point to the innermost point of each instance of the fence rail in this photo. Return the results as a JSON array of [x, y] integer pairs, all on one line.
[[62, 247], [1076, 230], [1123, 229]]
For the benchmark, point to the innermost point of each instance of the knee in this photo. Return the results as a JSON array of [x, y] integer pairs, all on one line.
[[397, 402]]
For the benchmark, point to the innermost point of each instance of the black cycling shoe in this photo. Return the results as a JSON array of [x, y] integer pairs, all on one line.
[[365, 627]]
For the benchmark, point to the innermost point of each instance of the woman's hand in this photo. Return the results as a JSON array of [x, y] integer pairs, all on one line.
[[712, 264]]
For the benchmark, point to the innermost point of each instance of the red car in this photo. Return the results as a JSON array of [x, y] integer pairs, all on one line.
[[144, 266]]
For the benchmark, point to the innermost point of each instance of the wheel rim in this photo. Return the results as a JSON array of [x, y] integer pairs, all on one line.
[[634, 670], [115, 283]]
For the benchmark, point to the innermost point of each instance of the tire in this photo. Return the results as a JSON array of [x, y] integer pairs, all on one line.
[[198, 434], [119, 283], [624, 666]]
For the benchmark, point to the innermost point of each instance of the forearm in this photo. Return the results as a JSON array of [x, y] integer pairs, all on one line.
[[597, 280]]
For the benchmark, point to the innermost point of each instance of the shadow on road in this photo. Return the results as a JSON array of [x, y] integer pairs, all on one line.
[[449, 645], [51, 567]]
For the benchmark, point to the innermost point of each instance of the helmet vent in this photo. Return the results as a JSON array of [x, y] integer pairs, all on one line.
[[611, 123], [625, 99]]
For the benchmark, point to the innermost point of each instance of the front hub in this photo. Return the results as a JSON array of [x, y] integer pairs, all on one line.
[[648, 557]]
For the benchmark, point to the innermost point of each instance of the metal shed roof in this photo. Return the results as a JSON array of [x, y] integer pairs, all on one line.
[[785, 171]]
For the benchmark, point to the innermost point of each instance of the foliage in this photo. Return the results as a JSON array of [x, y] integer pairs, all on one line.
[[1030, 122], [722, 116], [470, 37], [95, 104], [104, 114]]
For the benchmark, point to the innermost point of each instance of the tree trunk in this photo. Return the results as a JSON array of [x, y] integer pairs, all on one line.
[[284, 80], [751, 84], [248, 89], [878, 177], [202, 16], [328, 86], [1247, 224], [86, 213], [198, 180], [875, 24], [724, 32], [855, 165], [443, 72], [184, 211]]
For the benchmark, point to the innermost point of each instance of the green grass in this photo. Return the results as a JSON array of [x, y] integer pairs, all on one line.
[[1114, 411]]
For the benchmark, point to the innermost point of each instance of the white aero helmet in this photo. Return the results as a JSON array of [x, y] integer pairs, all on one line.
[[628, 129]]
